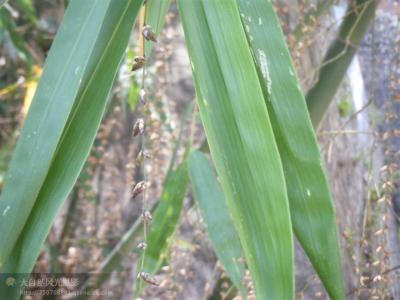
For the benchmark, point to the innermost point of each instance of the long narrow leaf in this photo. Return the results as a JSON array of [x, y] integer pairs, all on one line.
[[91, 76], [65, 67], [241, 141], [216, 216], [311, 207]]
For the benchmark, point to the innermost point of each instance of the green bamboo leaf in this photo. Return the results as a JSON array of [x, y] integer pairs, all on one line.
[[51, 106], [61, 124], [340, 54], [241, 141], [216, 217], [165, 220], [311, 206], [156, 11]]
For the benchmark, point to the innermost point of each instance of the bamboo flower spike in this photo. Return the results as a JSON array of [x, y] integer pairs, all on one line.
[[138, 189], [147, 217], [149, 34], [139, 63], [141, 156], [142, 96], [142, 246], [146, 277], [138, 128]]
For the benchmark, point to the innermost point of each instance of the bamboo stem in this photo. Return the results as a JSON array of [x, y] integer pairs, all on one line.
[[338, 58]]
